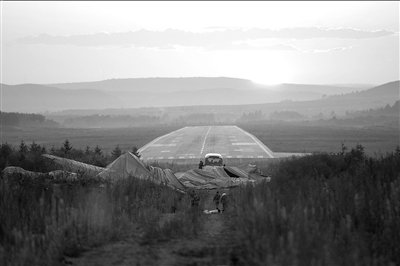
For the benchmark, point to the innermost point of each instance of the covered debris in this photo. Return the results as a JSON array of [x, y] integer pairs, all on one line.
[[74, 166], [124, 166], [57, 176], [166, 177], [128, 165], [215, 177], [14, 170]]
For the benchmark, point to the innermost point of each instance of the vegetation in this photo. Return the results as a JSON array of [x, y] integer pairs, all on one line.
[[42, 222], [327, 209], [29, 157], [110, 121], [23, 119], [387, 111], [106, 139], [252, 116], [316, 137], [286, 116]]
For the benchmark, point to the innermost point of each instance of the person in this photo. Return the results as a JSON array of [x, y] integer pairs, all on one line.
[[195, 199], [201, 164], [224, 201], [216, 199]]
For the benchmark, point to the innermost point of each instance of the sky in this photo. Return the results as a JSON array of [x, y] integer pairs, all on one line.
[[267, 42]]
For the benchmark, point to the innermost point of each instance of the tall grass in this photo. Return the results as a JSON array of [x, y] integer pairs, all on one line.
[[42, 222], [337, 209]]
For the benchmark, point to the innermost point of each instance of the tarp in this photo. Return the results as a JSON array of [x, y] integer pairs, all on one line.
[[14, 170], [237, 172], [210, 177], [166, 177], [213, 178], [74, 166], [124, 166], [129, 165], [56, 176]]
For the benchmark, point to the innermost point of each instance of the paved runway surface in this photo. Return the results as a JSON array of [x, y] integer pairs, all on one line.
[[192, 143]]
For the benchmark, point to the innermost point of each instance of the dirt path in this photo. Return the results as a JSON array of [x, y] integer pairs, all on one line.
[[210, 247]]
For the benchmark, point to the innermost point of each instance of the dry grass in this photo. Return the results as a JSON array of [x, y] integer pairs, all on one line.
[[322, 210], [41, 223]]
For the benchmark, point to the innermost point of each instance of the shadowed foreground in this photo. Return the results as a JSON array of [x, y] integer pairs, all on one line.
[[327, 209], [211, 246]]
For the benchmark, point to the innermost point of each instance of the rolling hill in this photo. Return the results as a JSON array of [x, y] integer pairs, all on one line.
[[376, 97], [233, 95], [160, 92], [40, 98]]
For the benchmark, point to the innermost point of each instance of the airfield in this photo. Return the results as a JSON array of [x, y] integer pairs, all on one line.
[[190, 144]]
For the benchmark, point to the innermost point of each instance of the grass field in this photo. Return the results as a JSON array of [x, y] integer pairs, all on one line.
[[306, 138], [278, 137], [107, 139]]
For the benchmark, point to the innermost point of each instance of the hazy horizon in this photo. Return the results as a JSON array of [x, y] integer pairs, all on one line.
[[269, 85], [265, 42]]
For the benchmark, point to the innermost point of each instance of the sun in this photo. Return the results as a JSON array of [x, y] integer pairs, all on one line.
[[272, 71], [265, 80], [270, 77]]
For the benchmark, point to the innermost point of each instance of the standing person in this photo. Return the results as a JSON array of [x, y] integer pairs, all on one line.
[[201, 164], [224, 201], [195, 199], [216, 199]]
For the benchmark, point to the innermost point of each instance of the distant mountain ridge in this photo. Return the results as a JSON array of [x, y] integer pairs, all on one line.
[[170, 92], [163, 85], [340, 104], [39, 98]]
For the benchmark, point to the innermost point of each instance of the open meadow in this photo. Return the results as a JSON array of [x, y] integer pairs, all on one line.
[[279, 137]]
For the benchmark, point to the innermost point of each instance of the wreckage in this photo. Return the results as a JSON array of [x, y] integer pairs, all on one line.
[[129, 165]]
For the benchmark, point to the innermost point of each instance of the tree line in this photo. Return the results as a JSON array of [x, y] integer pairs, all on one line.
[[23, 119], [29, 157]]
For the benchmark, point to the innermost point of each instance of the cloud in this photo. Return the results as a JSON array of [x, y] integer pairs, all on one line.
[[335, 49], [215, 38]]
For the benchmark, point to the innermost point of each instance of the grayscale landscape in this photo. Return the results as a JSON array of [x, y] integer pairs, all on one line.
[[120, 122]]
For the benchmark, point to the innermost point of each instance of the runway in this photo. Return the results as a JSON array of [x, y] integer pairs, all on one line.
[[192, 143]]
